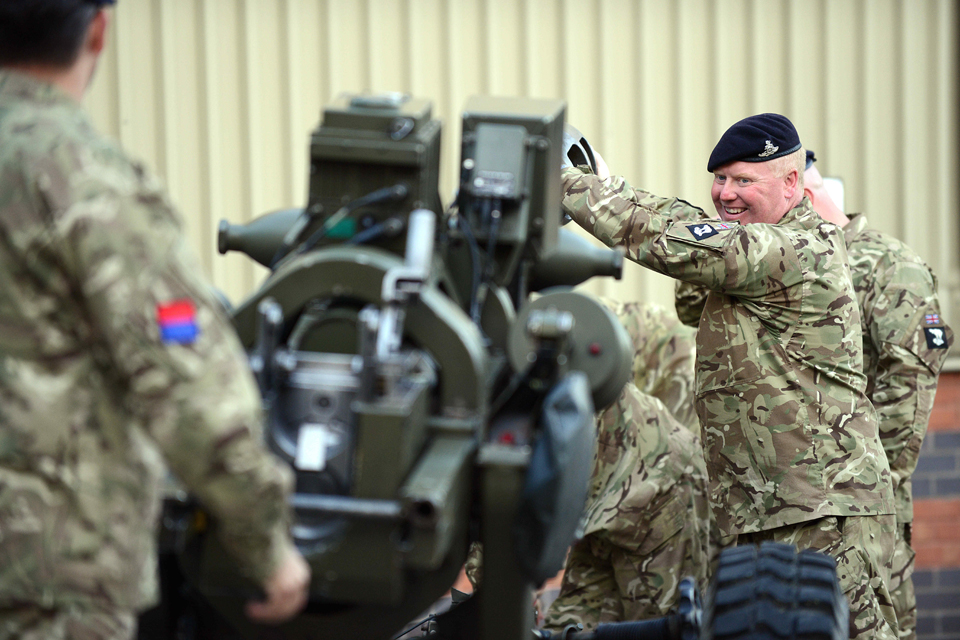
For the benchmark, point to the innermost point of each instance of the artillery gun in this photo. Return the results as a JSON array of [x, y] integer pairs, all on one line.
[[427, 373]]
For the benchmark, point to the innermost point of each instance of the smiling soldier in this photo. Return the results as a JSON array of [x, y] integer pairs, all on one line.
[[790, 439]]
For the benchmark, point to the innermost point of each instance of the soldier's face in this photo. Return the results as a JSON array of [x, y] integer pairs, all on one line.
[[748, 192]]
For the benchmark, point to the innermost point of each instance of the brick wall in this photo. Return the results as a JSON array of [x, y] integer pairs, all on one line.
[[936, 526]]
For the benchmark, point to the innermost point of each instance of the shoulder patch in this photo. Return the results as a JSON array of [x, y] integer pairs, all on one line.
[[936, 337], [932, 318], [704, 230], [177, 321]]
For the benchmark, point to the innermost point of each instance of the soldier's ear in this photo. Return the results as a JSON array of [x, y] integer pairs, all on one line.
[[791, 182], [97, 32]]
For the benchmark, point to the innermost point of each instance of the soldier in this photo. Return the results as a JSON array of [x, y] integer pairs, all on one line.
[[664, 352], [646, 521], [646, 524], [791, 440], [904, 345], [114, 356]]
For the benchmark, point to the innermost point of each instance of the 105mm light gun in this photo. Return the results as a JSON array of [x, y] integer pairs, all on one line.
[[427, 372]]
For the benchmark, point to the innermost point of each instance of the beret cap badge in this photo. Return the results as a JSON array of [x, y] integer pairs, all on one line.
[[768, 150]]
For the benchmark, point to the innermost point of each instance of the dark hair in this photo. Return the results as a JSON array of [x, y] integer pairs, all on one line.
[[47, 32]]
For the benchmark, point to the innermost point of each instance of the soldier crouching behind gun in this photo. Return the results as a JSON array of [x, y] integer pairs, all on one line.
[[647, 520], [115, 357], [791, 440]]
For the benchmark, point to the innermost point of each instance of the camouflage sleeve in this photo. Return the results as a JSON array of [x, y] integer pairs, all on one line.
[[675, 238], [689, 301], [902, 314], [171, 353]]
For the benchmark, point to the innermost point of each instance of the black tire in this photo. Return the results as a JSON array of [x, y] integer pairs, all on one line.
[[773, 592]]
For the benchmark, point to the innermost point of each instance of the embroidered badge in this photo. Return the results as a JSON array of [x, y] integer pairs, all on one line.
[[932, 318], [705, 230], [768, 150], [177, 321], [936, 338], [701, 231]]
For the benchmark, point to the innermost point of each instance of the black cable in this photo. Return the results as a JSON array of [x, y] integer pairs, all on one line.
[[496, 215], [395, 193], [390, 228], [299, 226], [425, 620], [515, 381], [475, 264]]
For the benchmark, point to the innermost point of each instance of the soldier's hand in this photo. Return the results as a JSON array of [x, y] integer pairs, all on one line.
[[576, 151], [286, 591]]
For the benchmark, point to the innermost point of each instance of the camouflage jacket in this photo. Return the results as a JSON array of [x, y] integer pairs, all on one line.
[[664, 353], [905, 342], [788, 432], [114, 356], [648, 473]]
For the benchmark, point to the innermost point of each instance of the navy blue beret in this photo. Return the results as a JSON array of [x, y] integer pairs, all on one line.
[[811, 158], [759, 138]]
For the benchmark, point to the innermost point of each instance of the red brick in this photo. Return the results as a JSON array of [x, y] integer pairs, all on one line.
[[944, 418], [934, 532], [951, 554], [944, 555], [945, 532], [929, 556], [949, 383], [923, 532], [946, 406], [937, 509]]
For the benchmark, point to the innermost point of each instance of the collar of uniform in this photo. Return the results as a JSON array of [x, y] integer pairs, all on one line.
[[24, 86], [856, 226], [802, 215]]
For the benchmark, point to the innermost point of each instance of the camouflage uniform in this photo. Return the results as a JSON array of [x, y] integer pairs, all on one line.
[[97, 389], [904, 345], [663, 357], [903, 352], [645, 526], [789, 434]]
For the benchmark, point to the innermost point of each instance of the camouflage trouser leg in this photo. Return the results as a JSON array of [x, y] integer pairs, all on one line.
[[901, 584], [863, 548], [650, 583], [34, 623], [588, 594], [607, 582]]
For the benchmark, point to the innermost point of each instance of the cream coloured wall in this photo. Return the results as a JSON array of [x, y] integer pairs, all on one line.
[[219, 96]]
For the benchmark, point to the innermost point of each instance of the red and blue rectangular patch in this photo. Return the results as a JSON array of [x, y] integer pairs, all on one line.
[[177, 321], [932, 318]]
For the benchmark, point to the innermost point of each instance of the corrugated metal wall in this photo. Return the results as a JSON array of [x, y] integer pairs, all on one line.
[[219, 96]]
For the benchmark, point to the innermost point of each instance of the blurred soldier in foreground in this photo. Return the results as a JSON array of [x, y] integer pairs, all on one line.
[[791, 440], [647, 519], [904, 345], [114, 357]]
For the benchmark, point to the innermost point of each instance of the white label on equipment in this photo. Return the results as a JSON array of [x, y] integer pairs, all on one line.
[[312, 443]]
